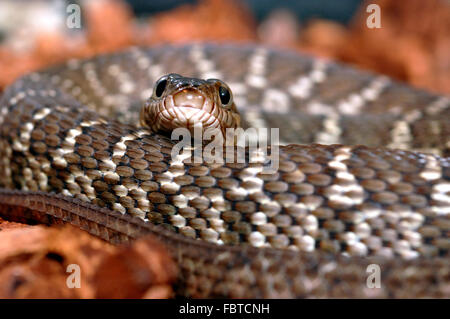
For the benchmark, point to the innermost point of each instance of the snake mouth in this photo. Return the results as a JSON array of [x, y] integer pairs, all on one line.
[[187, 108], [186, 116]]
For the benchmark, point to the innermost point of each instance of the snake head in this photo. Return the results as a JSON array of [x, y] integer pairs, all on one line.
[[183, 102]]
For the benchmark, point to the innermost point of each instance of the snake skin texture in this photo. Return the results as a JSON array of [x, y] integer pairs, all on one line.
[[310, 229]]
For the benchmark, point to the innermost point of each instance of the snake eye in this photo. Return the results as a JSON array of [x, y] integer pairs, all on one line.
[[160, 87], [225, 96]]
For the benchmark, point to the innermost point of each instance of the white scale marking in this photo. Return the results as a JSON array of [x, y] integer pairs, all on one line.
[[339, 191], [119, 150], [275, 101], [302, 87], [257, 69], [206, 67], [351, 105], [401, 136]]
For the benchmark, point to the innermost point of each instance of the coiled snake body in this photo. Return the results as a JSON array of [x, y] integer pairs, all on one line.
[[71, 151]]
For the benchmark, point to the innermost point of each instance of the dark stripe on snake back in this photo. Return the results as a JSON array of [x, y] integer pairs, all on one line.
[[69, 130]]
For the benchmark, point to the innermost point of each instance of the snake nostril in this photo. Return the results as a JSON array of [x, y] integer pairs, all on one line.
[[188, 97]]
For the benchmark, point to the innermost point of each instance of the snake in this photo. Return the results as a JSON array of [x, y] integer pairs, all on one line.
[[358, 205]]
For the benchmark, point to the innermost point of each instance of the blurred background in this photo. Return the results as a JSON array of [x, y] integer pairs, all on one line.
[[412, 45]]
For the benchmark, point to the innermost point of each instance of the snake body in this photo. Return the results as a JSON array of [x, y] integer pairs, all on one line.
[[70, 151]]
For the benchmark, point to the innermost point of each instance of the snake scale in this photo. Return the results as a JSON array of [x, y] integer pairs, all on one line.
[[71, 151]]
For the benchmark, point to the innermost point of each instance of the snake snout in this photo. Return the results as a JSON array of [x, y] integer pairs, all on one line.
[[186, 108], [189, 98]]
